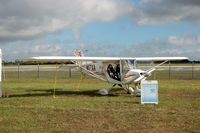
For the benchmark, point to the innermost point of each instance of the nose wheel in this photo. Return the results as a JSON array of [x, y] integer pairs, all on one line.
[[135, 91]]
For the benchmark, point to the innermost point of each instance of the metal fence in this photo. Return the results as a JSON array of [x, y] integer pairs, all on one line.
[[170, 71], [39, 71]]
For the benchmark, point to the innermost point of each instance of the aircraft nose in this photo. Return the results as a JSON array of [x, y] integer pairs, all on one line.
[[145, 74], [136, 72]]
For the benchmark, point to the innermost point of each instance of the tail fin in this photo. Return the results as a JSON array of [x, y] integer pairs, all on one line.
[[78, 53]]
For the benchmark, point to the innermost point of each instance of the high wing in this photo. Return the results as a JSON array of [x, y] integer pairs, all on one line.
[[75, 58], [161, 58]]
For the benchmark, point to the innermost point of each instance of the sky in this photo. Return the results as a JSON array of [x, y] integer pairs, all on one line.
[[127, 28]]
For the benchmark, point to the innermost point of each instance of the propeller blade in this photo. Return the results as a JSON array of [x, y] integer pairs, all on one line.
[[139, 79], [154, 68], [148, 72]]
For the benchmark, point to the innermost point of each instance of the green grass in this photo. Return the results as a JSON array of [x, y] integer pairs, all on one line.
[[77, 107], [162, 74]]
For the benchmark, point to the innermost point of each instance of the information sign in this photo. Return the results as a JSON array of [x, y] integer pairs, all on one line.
[[149, 91]]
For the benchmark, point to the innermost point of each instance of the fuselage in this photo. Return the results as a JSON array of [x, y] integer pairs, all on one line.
[[113, 73]]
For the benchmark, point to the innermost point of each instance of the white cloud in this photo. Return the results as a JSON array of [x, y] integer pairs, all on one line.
[[155, 47], [25, 20], [171, 46], [184, 40], [50, 49], [162, 11], [32, 19]]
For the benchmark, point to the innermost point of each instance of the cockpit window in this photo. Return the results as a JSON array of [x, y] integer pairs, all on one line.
[[118, 71], [127, 65], [114, 72], [131, 64]]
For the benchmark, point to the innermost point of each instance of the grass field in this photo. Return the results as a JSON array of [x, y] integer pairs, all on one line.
[[76, 107], [163, 74]]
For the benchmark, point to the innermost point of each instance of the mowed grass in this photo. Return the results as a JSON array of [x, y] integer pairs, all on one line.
[[77, 107]]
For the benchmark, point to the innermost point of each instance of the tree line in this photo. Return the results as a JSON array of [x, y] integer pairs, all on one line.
[[16, 62]]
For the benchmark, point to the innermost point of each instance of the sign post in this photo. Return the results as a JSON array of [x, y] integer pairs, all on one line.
[[149, 91], [0, 73]]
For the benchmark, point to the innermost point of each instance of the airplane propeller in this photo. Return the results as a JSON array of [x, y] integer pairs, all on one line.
[[147, 73], [144, 75]]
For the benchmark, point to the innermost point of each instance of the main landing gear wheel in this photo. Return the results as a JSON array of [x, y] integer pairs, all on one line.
[[105, 92]]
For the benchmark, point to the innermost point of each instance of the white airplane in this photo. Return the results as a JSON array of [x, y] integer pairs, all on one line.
[[120, 71]]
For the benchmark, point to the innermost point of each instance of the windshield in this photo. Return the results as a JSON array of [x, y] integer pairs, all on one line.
[[127, 65], [131, 64]]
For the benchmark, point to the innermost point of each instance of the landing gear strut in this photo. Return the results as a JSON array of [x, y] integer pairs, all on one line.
[[137, 91]]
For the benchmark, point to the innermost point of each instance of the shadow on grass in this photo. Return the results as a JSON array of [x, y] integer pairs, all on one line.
[[61, 92]]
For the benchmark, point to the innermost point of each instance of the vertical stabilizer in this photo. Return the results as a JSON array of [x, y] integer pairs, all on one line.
[[78, 53]]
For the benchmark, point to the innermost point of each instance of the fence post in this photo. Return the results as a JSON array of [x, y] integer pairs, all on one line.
[[70, 73], [192, 69], [18, 71], [169, 70], [38, 71]]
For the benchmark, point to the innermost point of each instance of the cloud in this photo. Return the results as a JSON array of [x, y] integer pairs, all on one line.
[[25, 49], [33, 19], [162, 11], [46, 48], [26, 20], [172, 46], [184, 40], [154, 47]]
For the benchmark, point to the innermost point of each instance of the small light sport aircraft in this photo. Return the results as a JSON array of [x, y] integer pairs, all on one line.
[[121, 71]]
